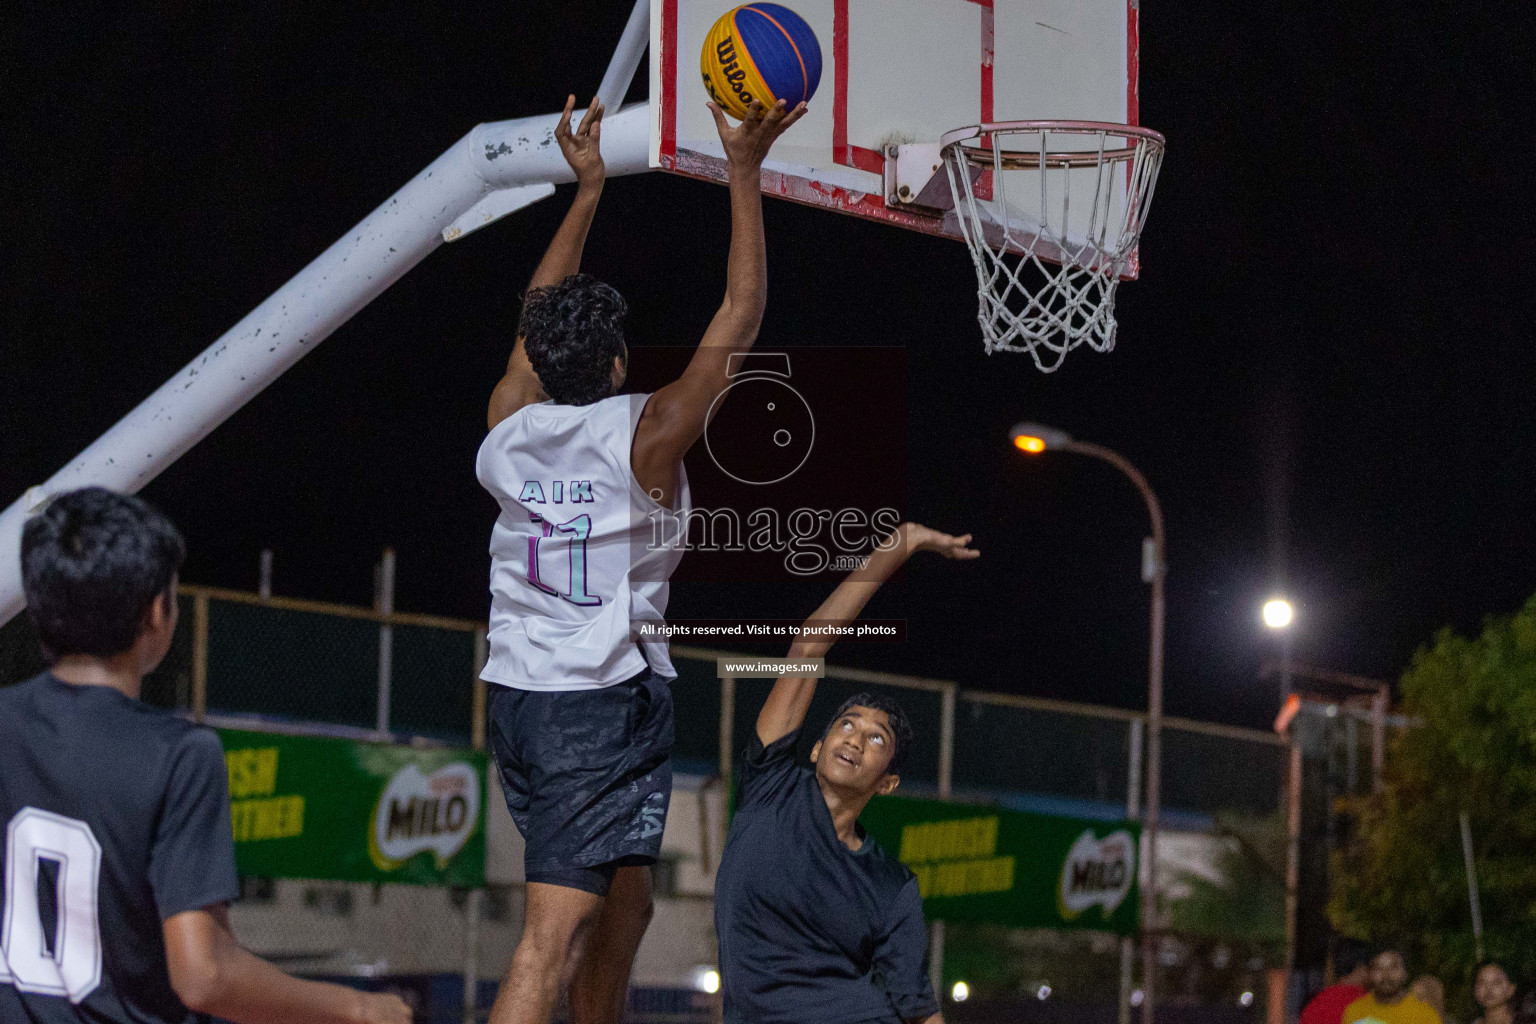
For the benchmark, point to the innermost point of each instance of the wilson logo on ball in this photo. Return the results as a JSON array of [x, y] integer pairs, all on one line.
[[764, 52]]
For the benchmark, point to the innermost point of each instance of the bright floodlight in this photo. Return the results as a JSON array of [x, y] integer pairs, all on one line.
[[707, 980], [1278, 613], [1035, 438], [961, 992], [1246, 999]]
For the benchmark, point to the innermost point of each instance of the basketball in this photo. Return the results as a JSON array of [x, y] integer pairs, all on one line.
[[763, 52]]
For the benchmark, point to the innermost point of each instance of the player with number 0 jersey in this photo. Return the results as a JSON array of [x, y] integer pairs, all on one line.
[[119, 861]]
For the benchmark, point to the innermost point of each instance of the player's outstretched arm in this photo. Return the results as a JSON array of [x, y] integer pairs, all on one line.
[[214, 974], [583, 152], [676, 416], [790, 697], [519, 384]]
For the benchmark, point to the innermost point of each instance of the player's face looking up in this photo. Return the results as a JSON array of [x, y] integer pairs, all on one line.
[[856, 751]]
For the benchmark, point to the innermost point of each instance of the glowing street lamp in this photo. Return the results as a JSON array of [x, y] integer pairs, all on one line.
[[1033, 439], [1278, 613]]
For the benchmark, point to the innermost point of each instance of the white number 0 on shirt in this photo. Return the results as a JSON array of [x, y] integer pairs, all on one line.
[[73, 967]]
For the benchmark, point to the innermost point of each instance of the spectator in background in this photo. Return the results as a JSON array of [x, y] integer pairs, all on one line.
[[1389, 1001], [1494, 991], [1352, 960], [1429, 990], [1524, 1005]]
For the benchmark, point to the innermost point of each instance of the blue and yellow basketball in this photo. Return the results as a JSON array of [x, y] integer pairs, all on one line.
[[763, 52]]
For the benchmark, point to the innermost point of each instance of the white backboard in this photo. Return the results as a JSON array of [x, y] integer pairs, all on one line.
[[894, 72]]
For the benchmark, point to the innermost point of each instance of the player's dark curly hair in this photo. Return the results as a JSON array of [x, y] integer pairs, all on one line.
[[91, 564], [572, 331], [901, 725]]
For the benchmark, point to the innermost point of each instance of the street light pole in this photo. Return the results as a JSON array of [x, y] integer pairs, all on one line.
[[1032, 438]]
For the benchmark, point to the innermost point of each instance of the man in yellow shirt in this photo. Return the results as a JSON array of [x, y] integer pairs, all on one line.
[[1388, 1001]]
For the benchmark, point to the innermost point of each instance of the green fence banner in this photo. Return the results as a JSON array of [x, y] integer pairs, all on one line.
[[307, 807], [977, 863]]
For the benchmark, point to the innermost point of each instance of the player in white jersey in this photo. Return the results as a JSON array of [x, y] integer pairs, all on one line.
[[580, 720]]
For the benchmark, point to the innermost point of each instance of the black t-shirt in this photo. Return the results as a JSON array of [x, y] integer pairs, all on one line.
[[115, 817], [809, 929]]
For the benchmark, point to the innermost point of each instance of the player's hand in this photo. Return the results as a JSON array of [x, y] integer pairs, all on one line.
[[385, 1008], [748, 143], [924, 538], [580, 146]]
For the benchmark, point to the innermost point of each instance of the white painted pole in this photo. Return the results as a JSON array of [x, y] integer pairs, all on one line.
[[626, 57], [403, 230]]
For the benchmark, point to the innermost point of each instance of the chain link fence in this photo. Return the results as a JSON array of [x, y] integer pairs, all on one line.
[[297, 666]]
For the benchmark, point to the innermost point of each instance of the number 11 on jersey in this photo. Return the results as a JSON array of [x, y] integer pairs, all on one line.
[[577, 530]]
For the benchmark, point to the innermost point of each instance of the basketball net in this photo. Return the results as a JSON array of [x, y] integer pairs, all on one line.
[[1051, 212]]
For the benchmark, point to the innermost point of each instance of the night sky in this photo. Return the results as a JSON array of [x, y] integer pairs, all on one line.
[[1325, 369]]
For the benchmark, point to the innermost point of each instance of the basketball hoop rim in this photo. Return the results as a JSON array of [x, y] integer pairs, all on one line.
[[1070, 158]]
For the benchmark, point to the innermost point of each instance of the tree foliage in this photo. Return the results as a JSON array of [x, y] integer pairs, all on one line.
[[1248, 901], [1401, 877]]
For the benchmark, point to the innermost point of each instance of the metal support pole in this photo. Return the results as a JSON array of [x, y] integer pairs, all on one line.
[[472, 955], [727, 742], [946, 775], [199, 657], [490, 172], [1351, 755], [1132, 812], [478, 700], [946, 740], [1151, 922], [264, 575], [626, 57], [384, 603], [1292, 858], [1154, 572], [1472, 894], [473, 906]]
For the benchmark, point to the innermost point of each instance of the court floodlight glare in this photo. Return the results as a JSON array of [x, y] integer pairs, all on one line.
[[1278, 613]]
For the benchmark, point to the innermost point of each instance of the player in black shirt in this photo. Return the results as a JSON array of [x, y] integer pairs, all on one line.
[[815, 921], [118, 855]]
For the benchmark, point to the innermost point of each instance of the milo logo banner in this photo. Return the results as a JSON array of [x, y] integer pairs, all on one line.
[[305, 807], [976, 863]]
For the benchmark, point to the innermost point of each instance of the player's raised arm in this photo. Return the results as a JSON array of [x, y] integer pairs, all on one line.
[[675, 416], [519, 385], [583, 152], [214, 974], [791, 696]]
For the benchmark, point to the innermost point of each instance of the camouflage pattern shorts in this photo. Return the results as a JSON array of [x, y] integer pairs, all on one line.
[[587, 776]]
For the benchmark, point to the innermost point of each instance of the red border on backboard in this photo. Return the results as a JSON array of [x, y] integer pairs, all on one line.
[[1132, 62], [669, 79]]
